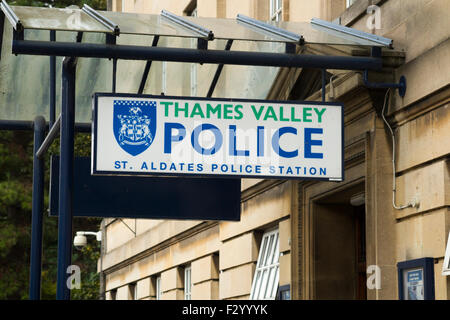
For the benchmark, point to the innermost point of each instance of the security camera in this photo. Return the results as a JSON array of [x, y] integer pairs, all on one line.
[[79, 241]]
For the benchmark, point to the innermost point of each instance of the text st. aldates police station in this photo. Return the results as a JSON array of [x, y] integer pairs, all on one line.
[[172, 135]]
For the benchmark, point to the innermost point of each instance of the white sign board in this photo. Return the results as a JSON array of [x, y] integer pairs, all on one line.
[[155, 135]]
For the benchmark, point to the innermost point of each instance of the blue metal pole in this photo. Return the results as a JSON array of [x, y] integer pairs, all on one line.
[[66, 177], [52, 83], [128, 52], [37, 212]]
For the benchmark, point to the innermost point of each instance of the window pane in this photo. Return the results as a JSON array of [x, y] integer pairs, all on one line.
[[275, 283], [256, 285], [263, 289], [276, 252], [262, 252], [268, 292], [269, 251]]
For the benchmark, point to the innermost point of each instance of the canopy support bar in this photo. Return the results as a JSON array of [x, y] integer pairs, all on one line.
[[147, 67], [23, 125], [324, 84], [2, 23], [218, 71], [51, 136], [128, 52]]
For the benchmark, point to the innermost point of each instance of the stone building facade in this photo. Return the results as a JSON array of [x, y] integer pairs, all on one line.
[[320, 236]]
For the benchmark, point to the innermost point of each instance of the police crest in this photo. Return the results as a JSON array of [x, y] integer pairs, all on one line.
[[134, 124]]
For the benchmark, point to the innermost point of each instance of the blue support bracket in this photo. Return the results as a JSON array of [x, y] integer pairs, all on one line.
[[2, 23], [401, 85]]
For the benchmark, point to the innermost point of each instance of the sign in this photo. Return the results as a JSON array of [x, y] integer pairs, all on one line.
[[155, 135], [414, 289], [150, 198], [416, 279]]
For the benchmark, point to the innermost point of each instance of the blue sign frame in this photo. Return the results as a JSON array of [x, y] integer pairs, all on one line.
[[424, 271]]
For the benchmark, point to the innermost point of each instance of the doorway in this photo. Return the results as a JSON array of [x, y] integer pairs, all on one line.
[[340, 246]]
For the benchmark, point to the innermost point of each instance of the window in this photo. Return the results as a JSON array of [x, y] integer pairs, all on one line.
[[158, 288], [113, 294], [187, 283], [276, 10], [132, 291], [446, 265], [265, 281], [284, 293]]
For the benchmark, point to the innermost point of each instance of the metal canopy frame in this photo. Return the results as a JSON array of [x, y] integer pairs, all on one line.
[[191, 26], [353, 32], [65, 123], [103, 20], [289, 36]]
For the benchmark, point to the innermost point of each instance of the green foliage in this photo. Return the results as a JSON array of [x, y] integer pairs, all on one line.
[[15, 208], [16, 167], [89, 289]]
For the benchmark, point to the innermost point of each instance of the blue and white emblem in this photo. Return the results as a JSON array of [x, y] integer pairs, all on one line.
[[134, 124]]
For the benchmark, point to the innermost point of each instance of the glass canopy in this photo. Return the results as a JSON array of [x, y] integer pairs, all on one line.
[[149, 24], [25, 79]]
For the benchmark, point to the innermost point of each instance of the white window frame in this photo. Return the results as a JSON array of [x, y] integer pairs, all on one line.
[[267, 273], [276, 10], [187, 283], [158, 288], [446, 264]]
